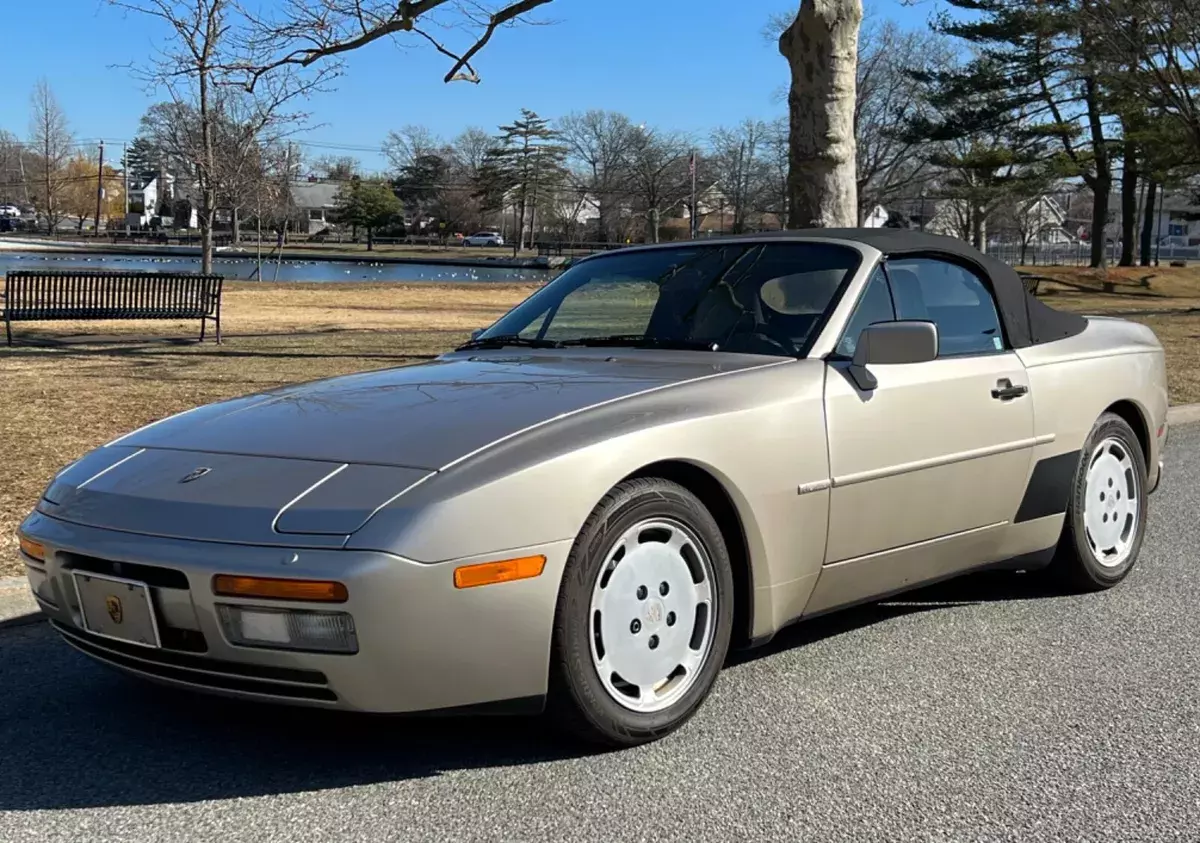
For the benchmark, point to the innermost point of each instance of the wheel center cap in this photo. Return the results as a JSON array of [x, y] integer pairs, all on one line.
[[654, 611]]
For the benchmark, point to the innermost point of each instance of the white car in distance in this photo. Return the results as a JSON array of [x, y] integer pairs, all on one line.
[[484, 238]]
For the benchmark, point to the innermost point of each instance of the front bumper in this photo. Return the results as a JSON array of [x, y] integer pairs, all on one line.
[[423, 644]]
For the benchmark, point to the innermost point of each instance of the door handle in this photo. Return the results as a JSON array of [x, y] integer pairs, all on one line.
[[1005, 391]]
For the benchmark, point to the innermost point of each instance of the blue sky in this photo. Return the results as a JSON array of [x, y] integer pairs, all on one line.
[[683, 64]]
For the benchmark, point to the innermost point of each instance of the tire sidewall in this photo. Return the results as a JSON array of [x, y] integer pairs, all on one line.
[[662, 499], [1108, 426]]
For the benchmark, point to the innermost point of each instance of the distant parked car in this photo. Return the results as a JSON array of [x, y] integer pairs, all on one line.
[[10, 211], [484, 238]]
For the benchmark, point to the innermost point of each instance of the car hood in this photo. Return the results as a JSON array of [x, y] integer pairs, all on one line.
[[427, 415], [319, 459]]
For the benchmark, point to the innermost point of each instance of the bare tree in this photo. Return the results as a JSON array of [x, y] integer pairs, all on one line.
[[337, 167], [13, 186], [738, 165], [658, 173], [52, 141], [202, 62], [403, 146], [888, 96], [304, 32], [598, 144], [1160, 42], [821, 47], [1030, 216], [776, 194]]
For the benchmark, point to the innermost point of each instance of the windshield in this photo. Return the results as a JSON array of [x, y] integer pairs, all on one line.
[[758, 298]]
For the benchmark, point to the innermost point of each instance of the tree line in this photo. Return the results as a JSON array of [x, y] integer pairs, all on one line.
[[993, 106]]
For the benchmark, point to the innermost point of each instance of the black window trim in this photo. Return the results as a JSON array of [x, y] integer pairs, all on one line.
[[984, 279], [880, 265]]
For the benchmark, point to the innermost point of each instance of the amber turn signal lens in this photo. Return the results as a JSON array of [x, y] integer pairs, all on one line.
[[29, 547], [487, 573], [318, 591]]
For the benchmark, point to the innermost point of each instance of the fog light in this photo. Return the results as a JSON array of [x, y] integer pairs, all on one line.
[[288, 629]]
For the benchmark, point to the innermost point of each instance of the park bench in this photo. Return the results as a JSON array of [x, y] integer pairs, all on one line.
[[35, 296]]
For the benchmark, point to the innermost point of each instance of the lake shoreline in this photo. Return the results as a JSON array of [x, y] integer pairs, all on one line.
[[294, 268], [20, 244]]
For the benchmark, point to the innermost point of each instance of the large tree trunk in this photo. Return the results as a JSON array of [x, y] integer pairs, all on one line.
[[977, 230], [1101, 182], [821, 47], [1129, 184], [652, 226], [1148, 220], [1101, 191]]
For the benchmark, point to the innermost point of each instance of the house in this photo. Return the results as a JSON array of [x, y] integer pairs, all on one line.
[[1176, 218], [148, 192], [314, 202]]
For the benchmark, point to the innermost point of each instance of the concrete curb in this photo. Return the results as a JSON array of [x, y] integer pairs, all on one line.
[[1183, 414], [16, 603]]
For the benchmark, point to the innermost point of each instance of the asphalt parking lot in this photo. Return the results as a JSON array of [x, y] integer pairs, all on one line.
[[986, 709]]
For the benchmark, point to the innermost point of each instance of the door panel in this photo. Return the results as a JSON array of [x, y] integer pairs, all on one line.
[[926, 454]]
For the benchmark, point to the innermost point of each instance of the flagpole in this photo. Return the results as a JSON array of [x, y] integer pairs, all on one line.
[[695, 213]]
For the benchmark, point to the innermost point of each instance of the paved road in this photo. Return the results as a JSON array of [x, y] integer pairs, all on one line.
[[983, 711]]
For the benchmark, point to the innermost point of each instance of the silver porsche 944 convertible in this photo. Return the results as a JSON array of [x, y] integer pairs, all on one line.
[[665, 452]]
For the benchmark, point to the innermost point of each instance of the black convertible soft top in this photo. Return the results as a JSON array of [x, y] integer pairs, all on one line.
[[1027, 320]]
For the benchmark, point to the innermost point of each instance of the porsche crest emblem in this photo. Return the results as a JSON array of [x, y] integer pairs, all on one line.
[[195, 474], [113, 604]]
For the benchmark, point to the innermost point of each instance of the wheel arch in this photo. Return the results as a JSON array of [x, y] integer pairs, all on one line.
[[713, 494], [1136, 419]]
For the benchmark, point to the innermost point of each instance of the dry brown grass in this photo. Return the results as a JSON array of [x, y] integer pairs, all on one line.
[[58, 401]]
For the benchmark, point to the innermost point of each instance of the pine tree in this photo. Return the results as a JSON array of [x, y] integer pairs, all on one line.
[[1036, 77], [527, 157], [369, 204]]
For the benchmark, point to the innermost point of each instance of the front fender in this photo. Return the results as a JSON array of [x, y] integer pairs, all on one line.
[[760, 433]]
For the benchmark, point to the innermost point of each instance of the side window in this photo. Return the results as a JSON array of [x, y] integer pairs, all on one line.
[[952, 297], [874, 306]]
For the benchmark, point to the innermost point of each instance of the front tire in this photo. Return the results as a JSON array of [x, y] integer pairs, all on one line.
[[644, 616], [1106, 516]]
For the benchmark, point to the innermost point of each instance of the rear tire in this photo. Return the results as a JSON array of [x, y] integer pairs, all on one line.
[[644, 616], [1106, 516]]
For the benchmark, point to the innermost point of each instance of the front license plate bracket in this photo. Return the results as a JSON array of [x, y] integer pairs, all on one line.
[[116, 608]]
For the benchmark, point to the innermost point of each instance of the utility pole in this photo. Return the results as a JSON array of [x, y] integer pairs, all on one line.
[[21, 166], [125, 189], [695, 213], [99, 188]]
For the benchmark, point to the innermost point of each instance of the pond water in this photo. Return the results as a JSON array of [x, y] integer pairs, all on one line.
[[242, 268]]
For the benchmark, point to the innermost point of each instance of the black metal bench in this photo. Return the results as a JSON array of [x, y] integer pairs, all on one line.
[[35, 296]]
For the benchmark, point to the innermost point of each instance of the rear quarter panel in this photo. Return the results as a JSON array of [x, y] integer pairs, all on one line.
[[1073, 381]]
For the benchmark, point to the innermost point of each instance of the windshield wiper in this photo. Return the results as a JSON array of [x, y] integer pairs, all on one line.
[[643, 341], [502, 340]]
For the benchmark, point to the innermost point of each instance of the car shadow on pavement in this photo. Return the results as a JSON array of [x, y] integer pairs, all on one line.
[[970, 589], [74, 734]]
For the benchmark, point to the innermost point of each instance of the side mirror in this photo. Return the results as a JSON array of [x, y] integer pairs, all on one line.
[[892, 343], [475, 334]]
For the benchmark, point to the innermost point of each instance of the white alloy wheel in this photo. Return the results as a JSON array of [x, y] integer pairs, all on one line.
[[652, 615], [1112, 499]]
